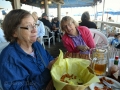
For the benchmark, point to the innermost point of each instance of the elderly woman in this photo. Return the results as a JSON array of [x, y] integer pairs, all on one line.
[[77, 39], [24, 64]]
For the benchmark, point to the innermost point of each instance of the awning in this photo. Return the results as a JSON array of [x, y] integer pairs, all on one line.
[[74, 3], [65, 3]]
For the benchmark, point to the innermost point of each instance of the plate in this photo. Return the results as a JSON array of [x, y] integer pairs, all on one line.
[[117, 84]]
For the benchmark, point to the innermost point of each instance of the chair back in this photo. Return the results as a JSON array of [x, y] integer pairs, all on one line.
[[47, 31], [99, 38], [49, 35]]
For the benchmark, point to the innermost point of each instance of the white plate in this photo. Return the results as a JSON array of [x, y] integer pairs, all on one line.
[[117, 84]]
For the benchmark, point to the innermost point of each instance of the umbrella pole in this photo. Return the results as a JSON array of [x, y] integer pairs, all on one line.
[[103, 9], [102, 26], [117, 19], [107, 17]]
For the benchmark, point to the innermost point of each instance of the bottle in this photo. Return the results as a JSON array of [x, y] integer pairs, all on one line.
[[115, 69]]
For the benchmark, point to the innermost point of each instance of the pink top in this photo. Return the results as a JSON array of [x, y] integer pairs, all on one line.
[[86, 35]]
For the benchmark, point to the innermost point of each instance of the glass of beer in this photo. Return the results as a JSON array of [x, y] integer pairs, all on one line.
[[99, 67], [99, 62]]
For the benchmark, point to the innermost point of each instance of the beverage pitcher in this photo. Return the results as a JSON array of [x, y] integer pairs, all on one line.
[[99, 60]]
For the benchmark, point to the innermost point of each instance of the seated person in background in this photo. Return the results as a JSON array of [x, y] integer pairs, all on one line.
[[77, 39], [110, 19], [85, 18], [116, 41], [110, 39], [45, 21], [24, 64], [40, 28], [55, 27]]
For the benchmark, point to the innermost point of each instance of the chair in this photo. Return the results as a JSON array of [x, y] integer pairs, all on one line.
[[59, 35], [41, 41], [99, 38], [47, 37]]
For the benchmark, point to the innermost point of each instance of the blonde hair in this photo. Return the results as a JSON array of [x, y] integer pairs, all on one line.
[[34, 15], [68, 19]]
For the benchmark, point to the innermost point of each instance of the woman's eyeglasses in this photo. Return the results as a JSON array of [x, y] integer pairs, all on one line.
[[30, 27], [68, 25]]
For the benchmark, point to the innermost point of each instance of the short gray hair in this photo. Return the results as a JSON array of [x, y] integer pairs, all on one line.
[[85, 16]]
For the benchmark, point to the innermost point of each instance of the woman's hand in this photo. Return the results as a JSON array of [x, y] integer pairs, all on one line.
[[51, 63], [83, 48]]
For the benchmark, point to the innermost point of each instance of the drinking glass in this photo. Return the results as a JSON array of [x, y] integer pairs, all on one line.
[[99, 61]]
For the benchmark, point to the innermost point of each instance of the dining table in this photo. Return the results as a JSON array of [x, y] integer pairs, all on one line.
[[87, 57]]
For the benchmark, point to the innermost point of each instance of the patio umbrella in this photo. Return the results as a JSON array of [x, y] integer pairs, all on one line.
[[114, 12], [109, 12]]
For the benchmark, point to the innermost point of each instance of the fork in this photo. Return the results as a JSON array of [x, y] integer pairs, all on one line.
[[109, 85]]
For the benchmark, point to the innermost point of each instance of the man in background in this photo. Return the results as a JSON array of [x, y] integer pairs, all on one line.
[[85, 21], [45, 21]]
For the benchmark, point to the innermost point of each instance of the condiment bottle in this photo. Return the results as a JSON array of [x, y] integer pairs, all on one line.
[[115, 69]]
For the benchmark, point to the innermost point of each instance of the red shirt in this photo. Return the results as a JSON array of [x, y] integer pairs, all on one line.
[[86, 35]]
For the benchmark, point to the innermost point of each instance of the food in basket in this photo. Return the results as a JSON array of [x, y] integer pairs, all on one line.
[[76, 69], [104, 87], [76, 55], [71, 79]]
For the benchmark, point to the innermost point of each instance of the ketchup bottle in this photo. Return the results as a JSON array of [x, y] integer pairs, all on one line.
[[115, 69]]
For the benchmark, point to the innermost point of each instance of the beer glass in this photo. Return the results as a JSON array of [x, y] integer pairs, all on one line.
[[99, 61]]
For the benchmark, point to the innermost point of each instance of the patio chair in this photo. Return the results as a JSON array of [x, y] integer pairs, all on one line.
[[99, 38], [41, 41], [59, 35], [48, 37]]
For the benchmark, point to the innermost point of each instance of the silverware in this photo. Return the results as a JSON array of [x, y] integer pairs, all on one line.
[[110, 86]]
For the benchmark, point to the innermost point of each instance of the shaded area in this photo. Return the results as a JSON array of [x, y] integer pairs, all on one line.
[[65, 3], [54, 49]]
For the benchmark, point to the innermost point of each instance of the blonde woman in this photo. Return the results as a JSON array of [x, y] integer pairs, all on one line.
[[77, 39]]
